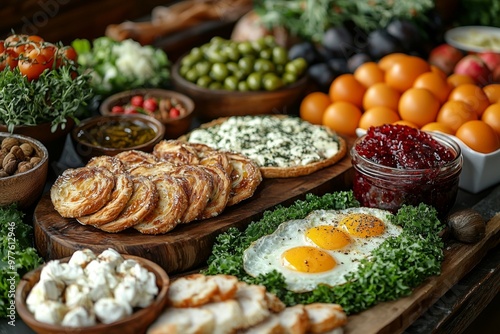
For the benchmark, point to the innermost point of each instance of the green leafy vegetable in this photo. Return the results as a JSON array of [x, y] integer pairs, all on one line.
[[117, 66], [17, 255], [309, 19], [400, 263], [53, 97]]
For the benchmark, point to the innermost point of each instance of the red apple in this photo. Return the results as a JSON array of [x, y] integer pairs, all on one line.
[[474, 67], [492, 59], [445, 57]]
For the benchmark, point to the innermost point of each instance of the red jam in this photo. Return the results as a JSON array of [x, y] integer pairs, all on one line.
[[397, 164]]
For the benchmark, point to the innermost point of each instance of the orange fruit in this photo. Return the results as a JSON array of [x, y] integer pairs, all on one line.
[[437, 126], [342, 117], [369, 73], [418, 106], [472, 95], [455, 113], [479, 136], [388, 61], [404, 71], [381, 95], [439, 71], [347, 88], [407, 123], [313, 106], [433, 82], [459, 79], [492, 91], [491, 116], [377, 116]]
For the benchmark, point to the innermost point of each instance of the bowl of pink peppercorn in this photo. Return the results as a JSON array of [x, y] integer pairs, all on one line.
[[173, 109]]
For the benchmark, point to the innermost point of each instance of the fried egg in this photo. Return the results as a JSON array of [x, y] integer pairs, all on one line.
[[321, 248]]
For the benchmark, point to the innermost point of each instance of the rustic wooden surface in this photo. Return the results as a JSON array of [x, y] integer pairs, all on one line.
[[396, 316], [187, 246]]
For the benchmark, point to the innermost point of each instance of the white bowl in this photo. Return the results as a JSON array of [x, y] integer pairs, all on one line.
[[474, 38], [479, 170]]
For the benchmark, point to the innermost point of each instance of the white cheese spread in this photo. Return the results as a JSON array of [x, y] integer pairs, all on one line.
[[271, 141]]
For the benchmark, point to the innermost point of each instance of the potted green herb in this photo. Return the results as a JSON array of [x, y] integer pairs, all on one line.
[[42, 92]]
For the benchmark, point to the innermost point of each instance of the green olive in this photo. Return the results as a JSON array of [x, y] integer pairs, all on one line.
[[219, 71], [216, 85], [263, 65], [216, 56], [183, 70], [270, 41], [203, 67], [204, 81], [192, 75], [217, 40], [296, 66], [243, 86], [246, 64], [231, 53], [266, 53], [232, 67], [280, 55], [188, 60], [271, 81], [245, 48], [259, 44], [196, 53], [289, 78], [254, 81], [231, 83]]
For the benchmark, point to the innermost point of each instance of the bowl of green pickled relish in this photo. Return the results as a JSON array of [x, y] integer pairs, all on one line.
[[112, 134]]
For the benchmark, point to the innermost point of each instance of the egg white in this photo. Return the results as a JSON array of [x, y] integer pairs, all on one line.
[[265, 254]]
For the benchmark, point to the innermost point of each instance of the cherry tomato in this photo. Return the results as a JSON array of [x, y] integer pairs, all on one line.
[[137, 100], [150, 104], [49, 51], [33, 66], [174, 113], [8, 58], [2, 47], [117, 110], [35, 38], [130, 110]]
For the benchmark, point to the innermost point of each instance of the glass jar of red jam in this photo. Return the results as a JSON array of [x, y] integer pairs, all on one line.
[[397, 164]]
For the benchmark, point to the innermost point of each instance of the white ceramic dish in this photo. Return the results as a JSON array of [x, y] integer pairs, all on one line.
[[479, 170], [474, 38]]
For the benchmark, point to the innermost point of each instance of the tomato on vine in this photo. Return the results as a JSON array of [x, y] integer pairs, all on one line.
[[33, 65]]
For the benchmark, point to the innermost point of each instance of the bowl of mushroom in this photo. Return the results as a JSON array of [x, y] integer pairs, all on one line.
[[93, 293], [23, 169]]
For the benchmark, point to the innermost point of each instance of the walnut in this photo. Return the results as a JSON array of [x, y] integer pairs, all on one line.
[[18, 152], [27, 149], [3, 153], [35, 160], [8, 142], [10, 167], [24, 166], [8, 158], [3, 173]]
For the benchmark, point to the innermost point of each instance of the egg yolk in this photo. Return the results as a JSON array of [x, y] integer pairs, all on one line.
[[307, 259], [362, 225], [328, 237]]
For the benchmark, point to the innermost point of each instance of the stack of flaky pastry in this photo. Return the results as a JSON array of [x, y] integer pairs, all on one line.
[[154, 192]]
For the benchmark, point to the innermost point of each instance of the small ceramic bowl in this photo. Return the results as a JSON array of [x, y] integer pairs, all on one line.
[[25, 188], [480, 170], [174, 127], [137, 322], [211, 104], [112, 134]]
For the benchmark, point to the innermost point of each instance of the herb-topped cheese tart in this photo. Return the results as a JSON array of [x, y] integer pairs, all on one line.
[[282, 146]]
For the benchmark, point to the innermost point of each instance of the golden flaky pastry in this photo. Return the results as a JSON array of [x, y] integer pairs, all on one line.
[[82, 191], [143, 200], [172, 203]]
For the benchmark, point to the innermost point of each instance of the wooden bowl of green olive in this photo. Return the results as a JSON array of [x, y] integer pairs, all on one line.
[[228, 78], [112, 134]]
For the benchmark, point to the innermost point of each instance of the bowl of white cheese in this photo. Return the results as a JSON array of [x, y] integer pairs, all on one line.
[[92, 293]]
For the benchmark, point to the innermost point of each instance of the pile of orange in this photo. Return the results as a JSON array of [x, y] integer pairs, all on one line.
[[407, 90]]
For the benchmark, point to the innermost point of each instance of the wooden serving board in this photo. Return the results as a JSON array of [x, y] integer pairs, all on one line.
[[396, 316], [187, 246]]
